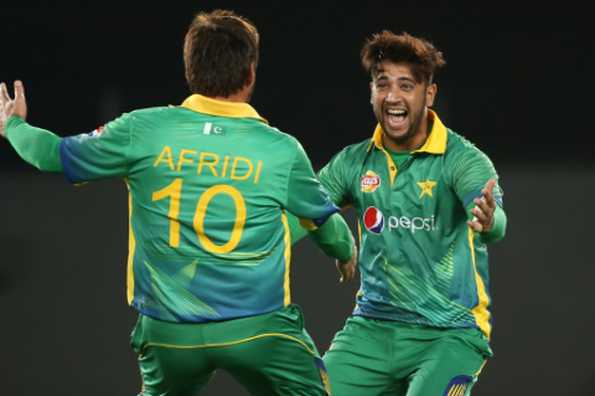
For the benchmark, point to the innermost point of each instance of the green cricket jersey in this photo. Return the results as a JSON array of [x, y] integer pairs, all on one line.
[[209, 183], [419, 261]]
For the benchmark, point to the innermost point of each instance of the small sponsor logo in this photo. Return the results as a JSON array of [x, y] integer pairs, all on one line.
[[373, 220], [370, 182]]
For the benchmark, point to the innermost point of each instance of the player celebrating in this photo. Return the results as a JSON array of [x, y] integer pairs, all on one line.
[[427, 202], [209, 257]]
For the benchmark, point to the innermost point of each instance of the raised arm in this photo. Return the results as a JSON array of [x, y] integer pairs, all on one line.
[[475, 183], [310, 202], [89, 156]]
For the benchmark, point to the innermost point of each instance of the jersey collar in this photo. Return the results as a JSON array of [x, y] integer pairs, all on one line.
[[434, 144], [203, 104]]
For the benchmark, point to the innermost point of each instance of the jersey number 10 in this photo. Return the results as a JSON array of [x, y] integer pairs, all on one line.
[[174, 192]]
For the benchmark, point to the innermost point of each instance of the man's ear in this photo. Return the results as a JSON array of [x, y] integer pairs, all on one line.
[[431, 92], [251, 75]]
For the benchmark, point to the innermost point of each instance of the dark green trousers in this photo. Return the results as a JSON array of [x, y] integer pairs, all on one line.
[[270, 354], [371, 357]]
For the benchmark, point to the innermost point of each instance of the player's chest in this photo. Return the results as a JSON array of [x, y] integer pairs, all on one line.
[[415, 188]]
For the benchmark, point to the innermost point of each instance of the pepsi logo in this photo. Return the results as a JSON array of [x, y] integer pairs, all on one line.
[[373, 220]]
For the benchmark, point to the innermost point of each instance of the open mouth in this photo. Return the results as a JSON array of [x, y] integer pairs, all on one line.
[[396, 118]]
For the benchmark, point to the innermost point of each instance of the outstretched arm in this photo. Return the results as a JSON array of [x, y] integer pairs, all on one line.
[[475, 181], [309, 201], [333, 237], [37, 146], [488, 218], [100, 154]]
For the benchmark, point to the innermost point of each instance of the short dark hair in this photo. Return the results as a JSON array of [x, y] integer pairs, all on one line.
[[424, 58], [219, 48]]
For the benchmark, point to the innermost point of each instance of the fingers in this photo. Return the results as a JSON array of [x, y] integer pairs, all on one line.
[[475, 225], [348, 268], [482, 208], [7, 106], [480, 215], [489, 187], [483, 212], [483, 215], [19, 91], [343, 271], [4, 98], [347, 272], [350, 272], [20, 102], [488, 193]]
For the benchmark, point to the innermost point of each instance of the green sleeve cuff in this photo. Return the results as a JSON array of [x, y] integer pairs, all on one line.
[[12, 123], [498, 228], [334, 238], [36, 146]]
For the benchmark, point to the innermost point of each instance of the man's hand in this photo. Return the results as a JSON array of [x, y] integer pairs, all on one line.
[[10, 107], [347, 268], [483, 212]]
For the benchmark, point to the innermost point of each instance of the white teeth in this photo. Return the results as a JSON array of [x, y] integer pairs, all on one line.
[[396, 112]]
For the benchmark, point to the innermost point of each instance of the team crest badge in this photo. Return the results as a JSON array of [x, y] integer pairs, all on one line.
[[370, 182], [426, 188]]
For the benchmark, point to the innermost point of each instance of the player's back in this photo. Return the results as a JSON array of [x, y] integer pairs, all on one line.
[[208, 237]]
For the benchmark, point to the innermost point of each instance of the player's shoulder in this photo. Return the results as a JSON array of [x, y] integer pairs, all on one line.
[[284, 138], [157, 112], [151, 115], [354, 152], [459, 149], [159, 117], [457, 144]]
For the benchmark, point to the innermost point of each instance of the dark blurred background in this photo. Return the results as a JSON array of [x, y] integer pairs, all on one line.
[[518, 83]]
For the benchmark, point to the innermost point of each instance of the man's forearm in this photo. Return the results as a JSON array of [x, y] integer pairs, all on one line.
[[498, 229], [37, 146], [333, 237]]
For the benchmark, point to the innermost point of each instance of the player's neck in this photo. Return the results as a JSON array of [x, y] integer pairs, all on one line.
[[242, 96], [238, 98], [411, 143]]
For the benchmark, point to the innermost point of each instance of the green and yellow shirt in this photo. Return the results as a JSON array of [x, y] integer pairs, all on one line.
[[210, 183], [419, 261]]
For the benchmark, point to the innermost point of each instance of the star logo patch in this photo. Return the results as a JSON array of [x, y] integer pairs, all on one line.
[[426, 188]]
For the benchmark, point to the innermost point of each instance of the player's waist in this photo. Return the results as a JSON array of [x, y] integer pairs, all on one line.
[[443, 314], [280, 322]]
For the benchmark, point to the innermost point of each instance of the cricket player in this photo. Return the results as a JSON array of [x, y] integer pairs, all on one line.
[[210, 185], [427, 203]]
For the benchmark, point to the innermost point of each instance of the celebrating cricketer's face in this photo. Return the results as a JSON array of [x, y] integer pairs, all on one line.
[[400, 101]]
